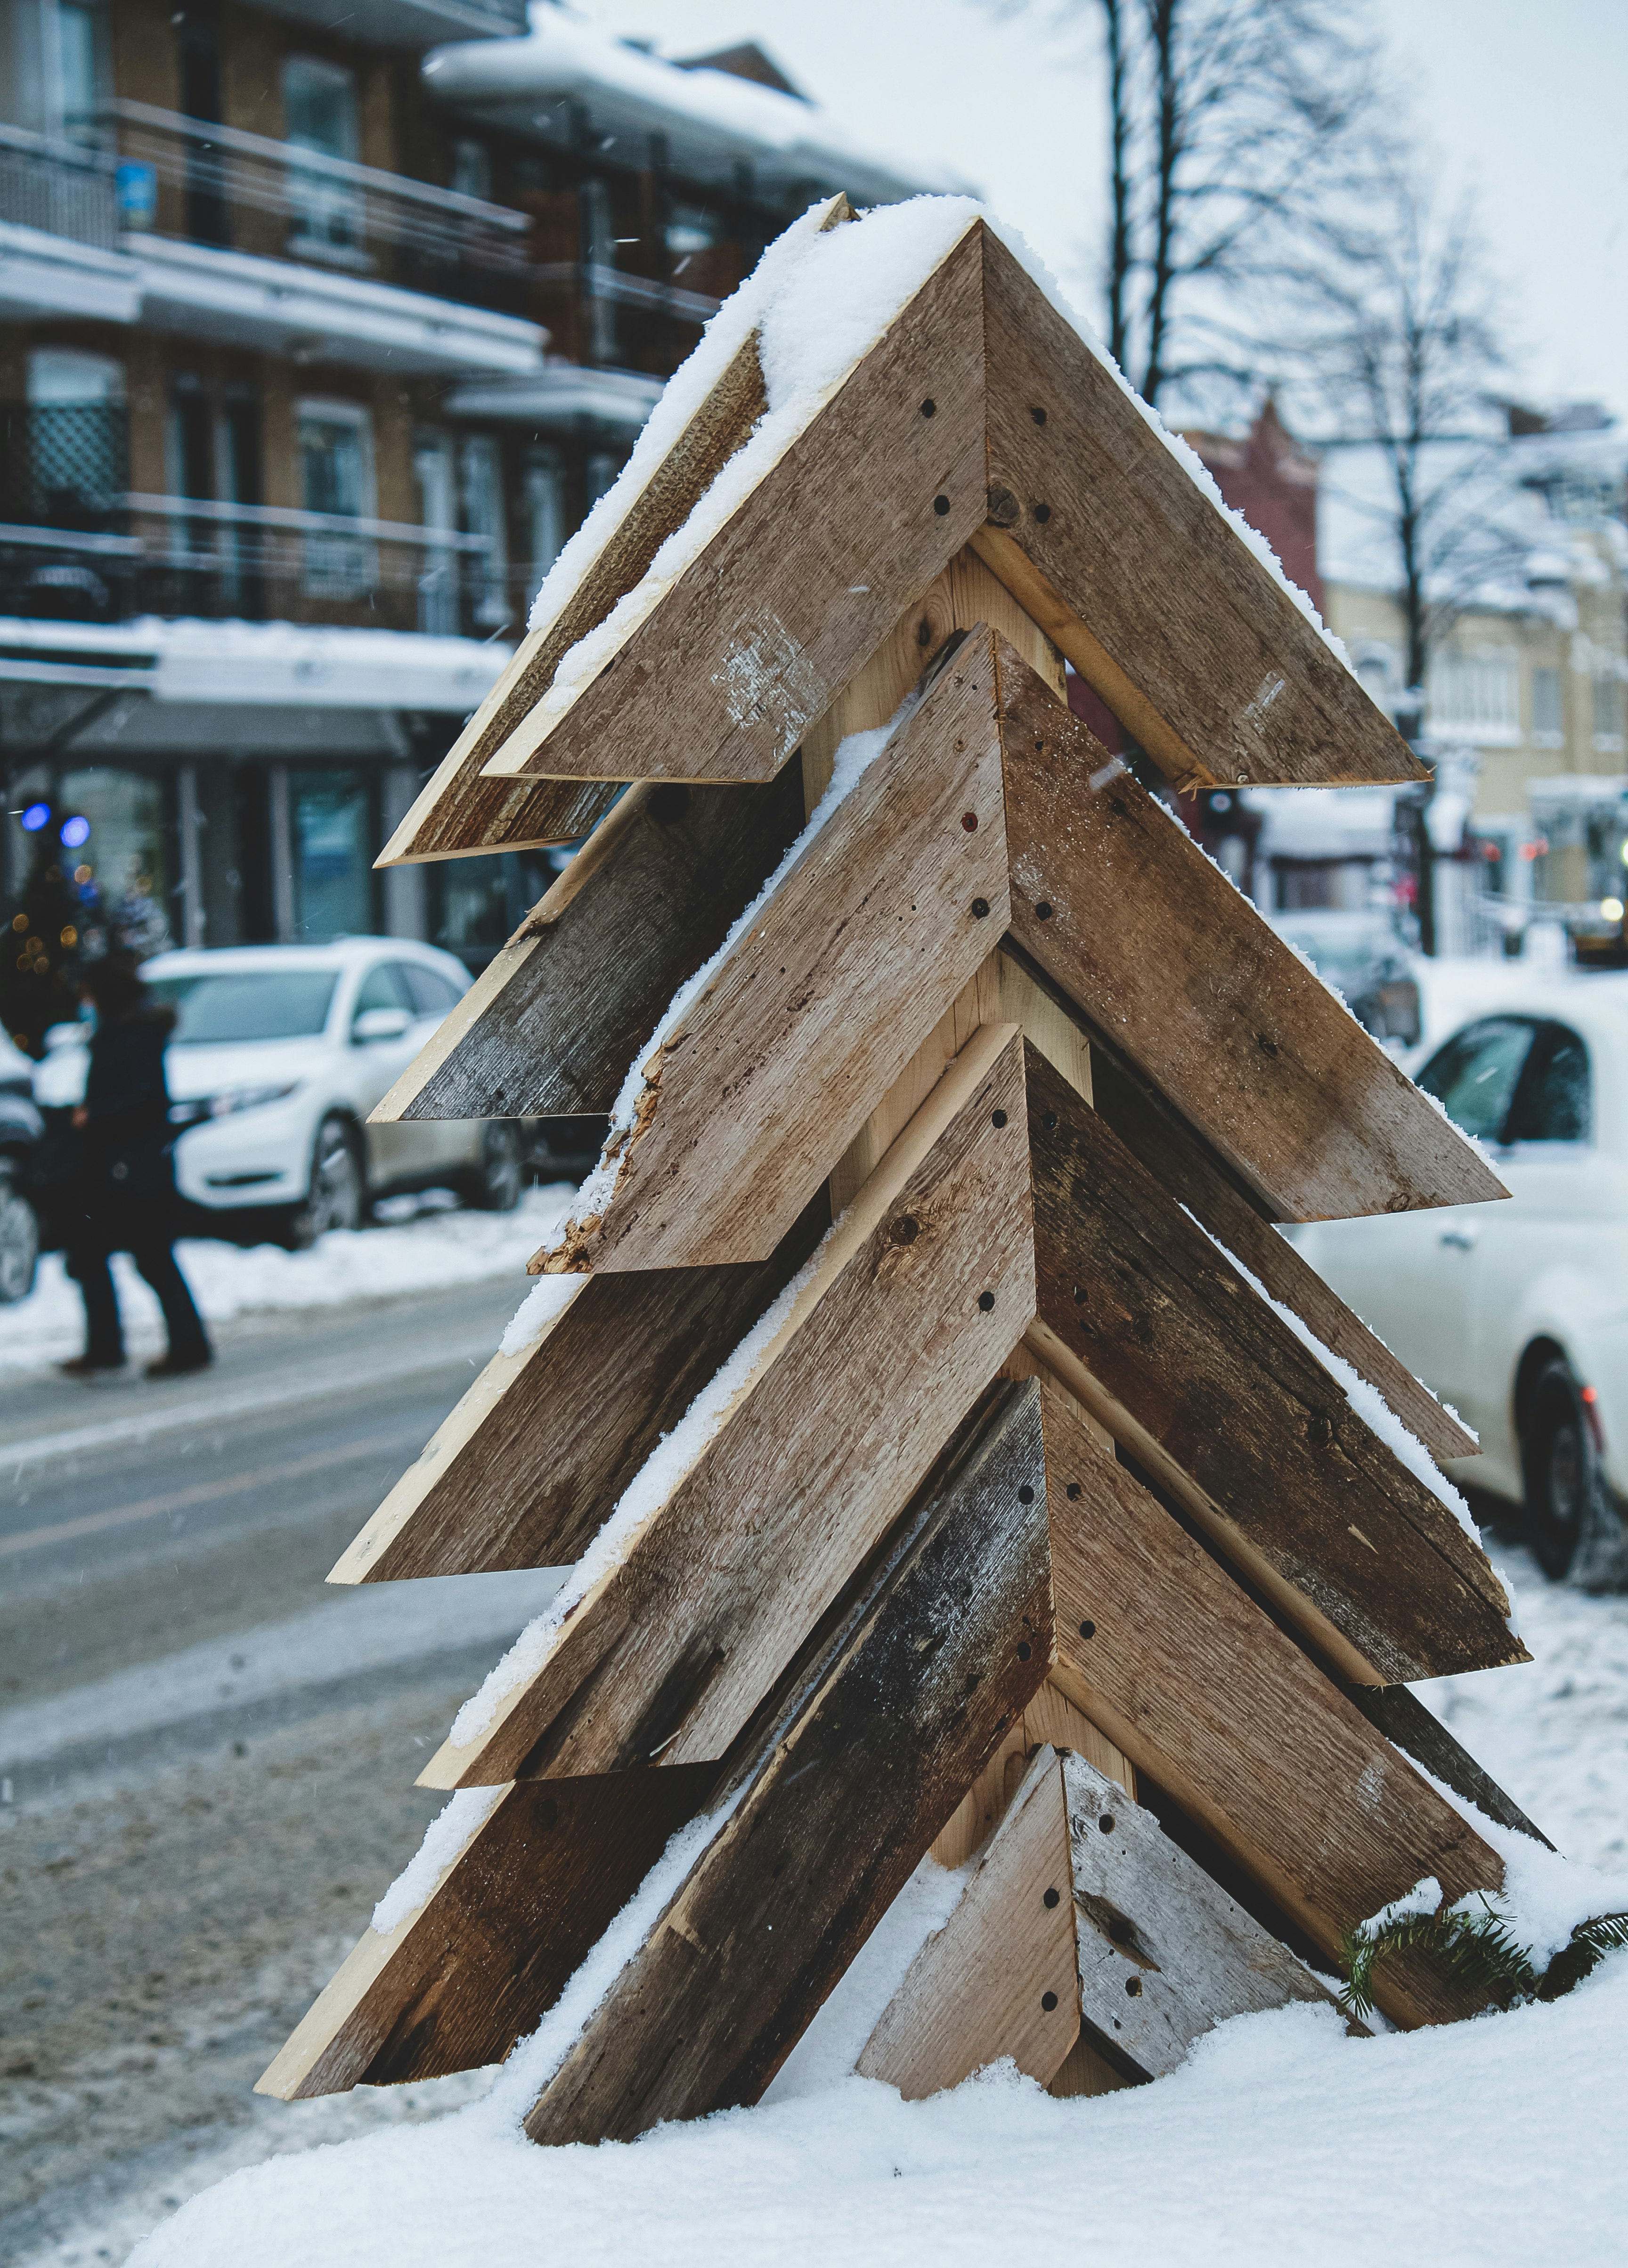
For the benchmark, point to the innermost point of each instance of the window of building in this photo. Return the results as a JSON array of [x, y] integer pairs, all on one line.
[[1375, 675], [1608, 712], [480, 481], [336, 474], [1477, 695], [75, 469], [544, 496], [122, 858], [692, 229], [332, 830], [472, 168], [603, 467], [321, 115], [437, 509], [81, 51], [1547, 725]]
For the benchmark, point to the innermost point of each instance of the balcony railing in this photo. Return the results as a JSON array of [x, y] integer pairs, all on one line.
[[207, 184], [58, 186]]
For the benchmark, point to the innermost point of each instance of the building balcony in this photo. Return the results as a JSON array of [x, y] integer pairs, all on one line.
[[59, 233]]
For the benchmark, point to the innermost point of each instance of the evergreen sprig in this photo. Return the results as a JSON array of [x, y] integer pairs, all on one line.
[[1478, 1953]]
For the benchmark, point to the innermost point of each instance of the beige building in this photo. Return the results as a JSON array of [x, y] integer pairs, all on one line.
[[1528, 682]]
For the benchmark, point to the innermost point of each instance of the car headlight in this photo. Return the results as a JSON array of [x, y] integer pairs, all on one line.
[[230, 1100]]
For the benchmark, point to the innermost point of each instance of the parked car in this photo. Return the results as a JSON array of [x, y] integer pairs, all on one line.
[[1517, 1312], [1366, 963], [21, 1128], [279, 1053]]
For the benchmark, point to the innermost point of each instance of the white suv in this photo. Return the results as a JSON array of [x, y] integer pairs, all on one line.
[[278, 1055]]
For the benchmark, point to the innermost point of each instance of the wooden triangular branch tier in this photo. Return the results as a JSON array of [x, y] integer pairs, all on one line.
[[949, 1454]]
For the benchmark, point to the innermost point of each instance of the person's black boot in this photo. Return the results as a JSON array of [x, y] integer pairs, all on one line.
[[88, 1365]]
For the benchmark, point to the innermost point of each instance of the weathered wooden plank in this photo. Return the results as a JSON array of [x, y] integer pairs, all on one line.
[[550, 1026], [722, 671], [1204, 1694], [532, 1459], [1292, 1481], [1113, 548], [1411, 1727], [849, 1794], [1179, 1158], [901, 1323], [460, 810], [999, 1978], [457, 1983], [870, 934], [1164, 1954], [1049, 1720], [1122, 908]]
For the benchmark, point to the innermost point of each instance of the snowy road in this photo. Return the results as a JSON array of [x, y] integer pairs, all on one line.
[[206, 1755]]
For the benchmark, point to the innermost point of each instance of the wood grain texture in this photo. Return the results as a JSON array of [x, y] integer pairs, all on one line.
[[552, 1023], [1420, 1734], [1203, 1693], [1164, 956], [1296, 1483], [1051, 1720], [461, 810], [978, 1989], [455, 1984], [1190, 639], [1181, 1159], [887, 1346], [963, 595], [849, 1792], [1164, 1953], [723, 671], [867, 938], [530, 1463]]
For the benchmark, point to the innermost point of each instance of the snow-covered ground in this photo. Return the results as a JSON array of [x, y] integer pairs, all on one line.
[[421, 1243], [1281, 2141]]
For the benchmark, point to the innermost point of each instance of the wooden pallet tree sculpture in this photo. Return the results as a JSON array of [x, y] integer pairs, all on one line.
[[948, 1451]]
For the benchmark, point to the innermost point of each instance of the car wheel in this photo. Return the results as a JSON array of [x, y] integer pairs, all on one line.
[[1562, 1473], [498, 1183], [337, 1195], [20, 1246]]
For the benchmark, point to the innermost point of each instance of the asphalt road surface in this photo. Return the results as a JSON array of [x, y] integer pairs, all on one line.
[[207, 1754]]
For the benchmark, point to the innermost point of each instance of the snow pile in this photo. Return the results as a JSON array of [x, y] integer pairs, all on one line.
[[672, 1457], [547, 1300], [1475, 2145], [854, 757], [440, 1248]]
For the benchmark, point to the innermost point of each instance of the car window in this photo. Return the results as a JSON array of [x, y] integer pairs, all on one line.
[[1474, 1075], [382, 988], [247, 1003], [431, 993], [1554, 1101]]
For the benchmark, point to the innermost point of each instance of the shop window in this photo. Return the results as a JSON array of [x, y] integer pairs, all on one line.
[[336, 473], [320, 114], [331, 827], [120, 868]]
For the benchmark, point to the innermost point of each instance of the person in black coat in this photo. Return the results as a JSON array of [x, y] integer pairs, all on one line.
[[121, 1196]]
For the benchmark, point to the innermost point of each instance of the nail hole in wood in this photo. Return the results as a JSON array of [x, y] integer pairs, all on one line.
[[1052, 1897], [969, 821], [1042, 911], [1025, 1495], [1048, 2001], [1133, 1985], [1087, 1629], [906, 1229], [940, 504], [1023, 1649], [1042, 513], [1106, 1822], [980, 909], [986, 1301], [1049, 1122], [997, 1118], [1038, 414], [929, 407], [1080, 1295]]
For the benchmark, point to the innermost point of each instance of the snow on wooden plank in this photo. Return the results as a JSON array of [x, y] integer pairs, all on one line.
[[754, 1092], [1159, 601], [1164, 1953], [1122, 908], [1000, 1978], [531, 1462], [1204, 1694], [551, 1023], [1293, 1483], [1181, 1158], [460, 809], [469, 1971], [941, 1656], [722, 672], [722, 1557]]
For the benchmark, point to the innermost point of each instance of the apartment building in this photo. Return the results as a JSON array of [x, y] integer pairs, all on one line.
[[321, 329]]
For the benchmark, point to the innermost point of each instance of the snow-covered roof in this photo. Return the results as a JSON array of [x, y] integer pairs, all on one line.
[[567, 78], [287, 663], [1525, 515]]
